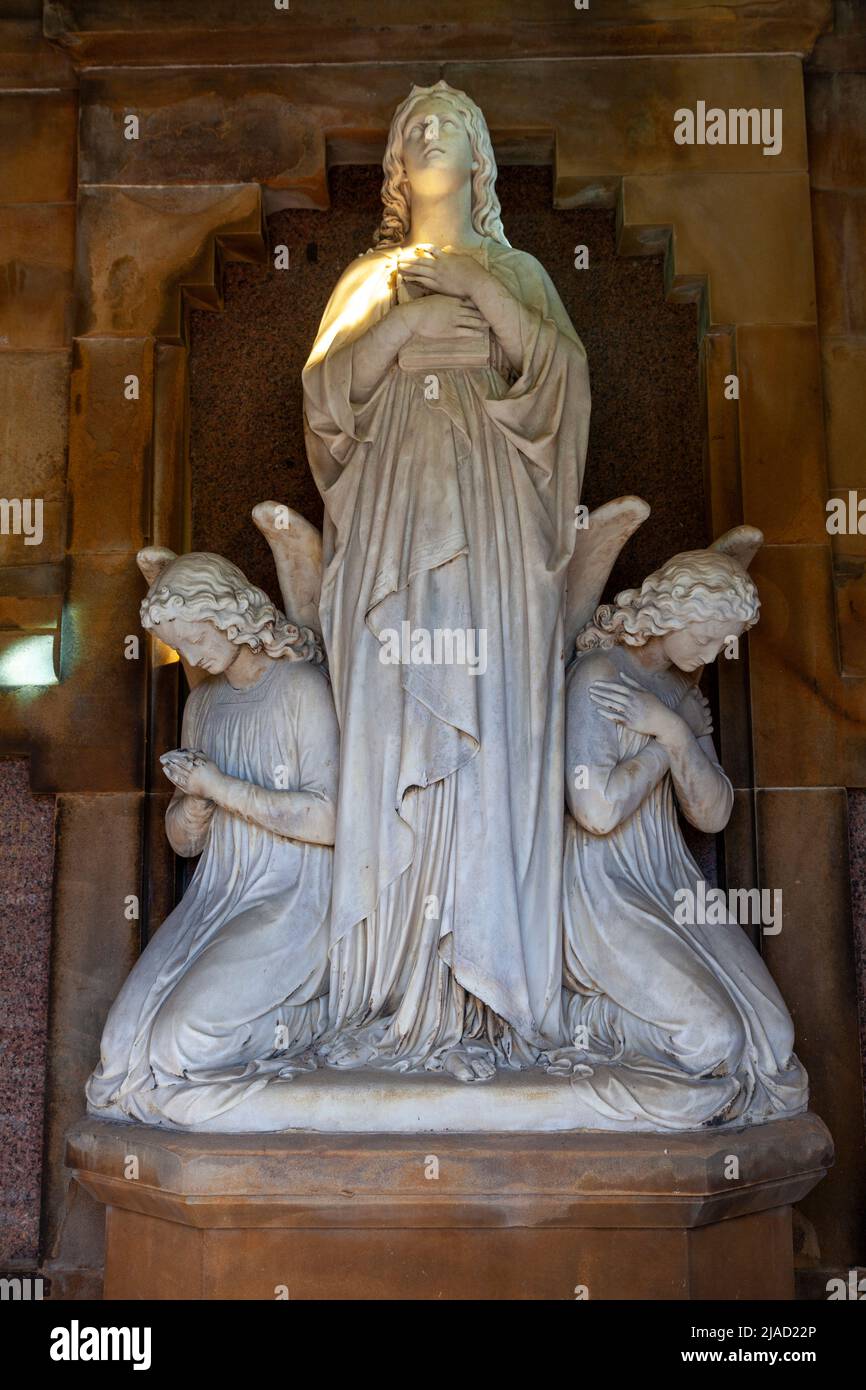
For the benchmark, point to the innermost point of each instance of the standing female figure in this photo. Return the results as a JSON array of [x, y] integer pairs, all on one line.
[[447, 409]]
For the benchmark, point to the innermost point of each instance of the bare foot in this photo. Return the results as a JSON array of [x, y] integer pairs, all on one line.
[[347, 1051], [468, 1066]]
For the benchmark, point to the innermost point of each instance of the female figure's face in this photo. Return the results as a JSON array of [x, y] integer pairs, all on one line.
[[200, 644], [437, 151], [698, 644]]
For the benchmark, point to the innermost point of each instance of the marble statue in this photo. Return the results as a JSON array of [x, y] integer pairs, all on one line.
[[447, 409], [232, 988], [434, 859], [674, 1023]]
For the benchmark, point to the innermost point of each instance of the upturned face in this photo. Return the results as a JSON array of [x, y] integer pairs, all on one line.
[[437, 151], [698, 644], [200, 644]]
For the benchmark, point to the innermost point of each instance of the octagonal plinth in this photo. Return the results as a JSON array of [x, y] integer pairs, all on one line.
[[476, 1216]]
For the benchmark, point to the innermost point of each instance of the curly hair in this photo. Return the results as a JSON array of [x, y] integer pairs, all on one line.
[[693, 587], [201, 587], [486, 212]]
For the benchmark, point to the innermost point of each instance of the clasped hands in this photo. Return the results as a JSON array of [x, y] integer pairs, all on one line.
[[448, 310], [194, 773], [628, 703]]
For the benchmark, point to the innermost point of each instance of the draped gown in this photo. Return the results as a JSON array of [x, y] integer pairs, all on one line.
[[448, 511], [682, 1023], [231, 990]]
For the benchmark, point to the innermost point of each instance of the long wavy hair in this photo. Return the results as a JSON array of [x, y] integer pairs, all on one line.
[[693, 587], [201, 587], [396, 194]]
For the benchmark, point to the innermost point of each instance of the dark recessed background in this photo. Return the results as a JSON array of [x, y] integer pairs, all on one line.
[[247, 439]]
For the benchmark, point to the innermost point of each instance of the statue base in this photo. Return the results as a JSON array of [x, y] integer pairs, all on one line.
[[454, 1216]]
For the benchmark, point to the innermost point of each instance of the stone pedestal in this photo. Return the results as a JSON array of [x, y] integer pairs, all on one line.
[[476, 1216]]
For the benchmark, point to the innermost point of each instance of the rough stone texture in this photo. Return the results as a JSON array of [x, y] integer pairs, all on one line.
[[106, 31], [839, 220], [37, 133], [751, 235], [137, 246], [272, 126], [857, 857], [36, 254], [27, 856], [835, 104], [34, 409], [94, 948], [784, 477], [802, 843], [807, 720], [837, 132]]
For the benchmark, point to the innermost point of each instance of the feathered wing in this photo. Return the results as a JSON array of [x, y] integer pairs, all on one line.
[[153, 560], [596, 549], [742, 543], [296, 546]]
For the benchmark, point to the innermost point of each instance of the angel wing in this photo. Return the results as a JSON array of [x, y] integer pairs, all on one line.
[[596, 549], [296, 546], [741, 543], [153, 560]]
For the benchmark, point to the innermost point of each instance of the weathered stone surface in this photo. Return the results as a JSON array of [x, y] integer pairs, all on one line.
[[842, 45], [721, 443], [102, 689], [740, 849], [37, 243], [844, 363], [520, 1216], [752, 237], [784, 478], [849, 579], [34, 407], [837, 131], [26, 59], [223, 126], [808, 723], [137, 247], [840, 263], [87, 733], [744, 1258], [606, 119], [612, 119], [171, 481], [117, 31], [802, 838], [37, 146], [94, 947], [109, 445]]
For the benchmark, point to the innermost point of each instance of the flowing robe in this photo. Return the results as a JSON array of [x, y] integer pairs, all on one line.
[[231, 991], [448, 510], [682, 1024]]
